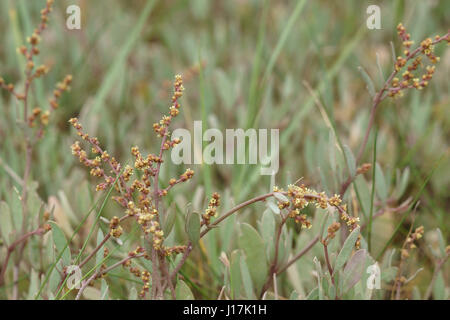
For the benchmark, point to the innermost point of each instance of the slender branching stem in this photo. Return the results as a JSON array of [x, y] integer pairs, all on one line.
[[327, 259], [274, 265], [85, 284], [93, 252], [121, 262]]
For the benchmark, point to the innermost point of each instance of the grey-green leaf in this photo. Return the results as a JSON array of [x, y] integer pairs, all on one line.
[[439, 287], [34, 285], [350, 158], [104, 290], [319, 278], [280, 197], [294, 295], [332, 150], [133, 295], [60, 243], [364, 194], [246, 279], [380, 183], [354, 269], [267, 230], [273, 206], [235, 274], [169, 219], [346, 250], [99, 255], [403, 183], [314, 294], [442, 244], [183, 292], [5, 222], [368, 81], [253, 245], [389, 274]]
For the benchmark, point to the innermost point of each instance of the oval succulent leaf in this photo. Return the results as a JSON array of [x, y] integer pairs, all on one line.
[[193, 227], [346, 250], [354, 269]]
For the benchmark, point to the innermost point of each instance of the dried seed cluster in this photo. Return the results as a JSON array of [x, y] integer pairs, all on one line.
[[161, 128], [44, 115], [409, 243], [175, 250], [96, 163], [301, 196], [363, 168], [137, 196], [410, 77], [332, 229], [114, 228], [144, 275]]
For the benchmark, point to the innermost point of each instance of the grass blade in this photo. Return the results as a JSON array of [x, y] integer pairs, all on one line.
[[284, 36]]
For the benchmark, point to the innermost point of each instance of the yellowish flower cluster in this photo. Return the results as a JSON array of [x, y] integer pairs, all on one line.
[[96, 163], [301, 196], [188, 174], [136, 196], [158, 234], [115, 229], [409, 79], [161, 127], [409, 243], [144, 275], [405, 37], [331, 232], [168, 251], [211, 211]]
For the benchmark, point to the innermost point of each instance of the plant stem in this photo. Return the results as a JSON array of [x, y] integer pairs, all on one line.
[[327, 259], [182, 261], [156, 280], [121, 262], [85, 284], [100, 245], [165, 271], [233, 210], [13, 246]]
